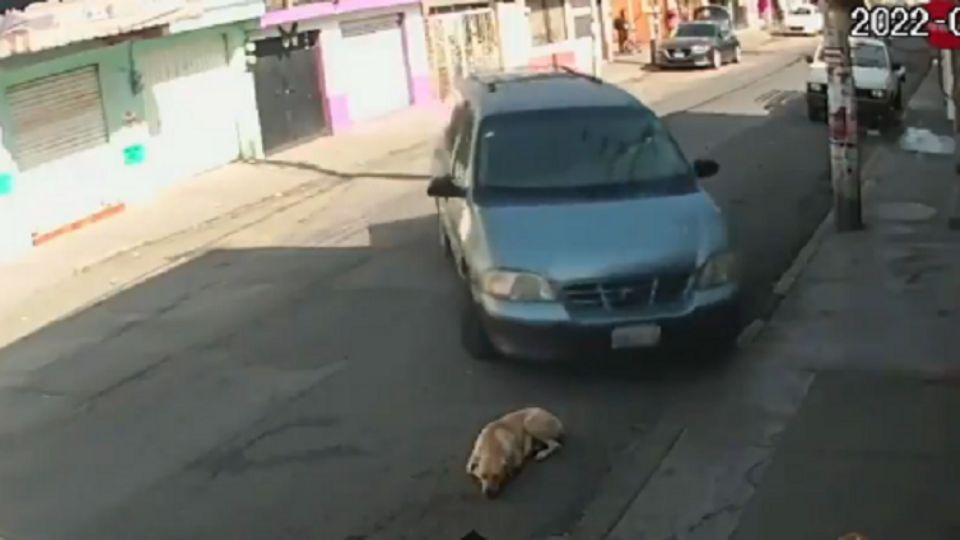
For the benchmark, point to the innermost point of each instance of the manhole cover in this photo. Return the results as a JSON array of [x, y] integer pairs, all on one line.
[[907, 211]]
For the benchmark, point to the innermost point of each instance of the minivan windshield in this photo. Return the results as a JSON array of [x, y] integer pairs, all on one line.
[[697, 30], [578, 148]]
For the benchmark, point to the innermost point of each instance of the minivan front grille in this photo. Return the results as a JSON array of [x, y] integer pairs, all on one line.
[[627, 293]]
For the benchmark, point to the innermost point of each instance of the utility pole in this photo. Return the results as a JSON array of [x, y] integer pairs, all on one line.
[[954, 68], [655, 34], [842, 114]]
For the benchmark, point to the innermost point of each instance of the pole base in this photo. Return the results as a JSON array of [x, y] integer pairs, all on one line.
[[847, 214]]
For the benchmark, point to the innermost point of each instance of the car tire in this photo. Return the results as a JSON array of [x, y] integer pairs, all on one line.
[[722, 335], [737, 55], [722, 338], [815, 114], [716, 59], [473, 336], [443, 240]]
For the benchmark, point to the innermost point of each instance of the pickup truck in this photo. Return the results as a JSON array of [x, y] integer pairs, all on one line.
[[878, 81]]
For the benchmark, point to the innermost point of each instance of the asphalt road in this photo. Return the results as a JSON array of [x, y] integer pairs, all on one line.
[[291, 389]]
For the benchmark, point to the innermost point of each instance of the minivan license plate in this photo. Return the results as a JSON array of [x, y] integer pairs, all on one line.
[[642, 335]]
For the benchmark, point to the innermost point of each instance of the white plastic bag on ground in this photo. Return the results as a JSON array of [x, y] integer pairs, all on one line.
[[926, 142]]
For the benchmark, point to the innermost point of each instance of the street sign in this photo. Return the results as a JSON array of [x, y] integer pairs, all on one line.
[[833, 56]]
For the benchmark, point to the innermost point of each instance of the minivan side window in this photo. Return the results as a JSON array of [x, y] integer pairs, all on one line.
[[463, 145]]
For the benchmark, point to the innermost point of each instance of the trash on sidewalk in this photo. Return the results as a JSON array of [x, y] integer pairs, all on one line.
[[925, 141]]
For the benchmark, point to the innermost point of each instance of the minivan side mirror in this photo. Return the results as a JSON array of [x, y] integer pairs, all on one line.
[[897, 66], [443, 187], [705, 168], [808, 58]]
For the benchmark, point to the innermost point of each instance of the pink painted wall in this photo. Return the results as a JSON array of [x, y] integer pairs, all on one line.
[[337, 103], [566, 59], [422, 89]]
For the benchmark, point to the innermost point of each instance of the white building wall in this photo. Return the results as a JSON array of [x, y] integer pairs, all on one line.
[[514, 30], [415, 30], [334, 66], [245, 99]]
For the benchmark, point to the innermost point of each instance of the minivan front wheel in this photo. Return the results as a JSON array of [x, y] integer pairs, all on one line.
[[442, 238], [473, 336]]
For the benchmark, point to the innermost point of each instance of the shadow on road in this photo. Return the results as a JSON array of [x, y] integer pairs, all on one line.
[[311, 167]]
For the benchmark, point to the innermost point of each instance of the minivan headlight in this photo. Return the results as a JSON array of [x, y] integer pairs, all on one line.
[[878, 93], [699, 49], [816, 87], [719, 270], [517, 286]]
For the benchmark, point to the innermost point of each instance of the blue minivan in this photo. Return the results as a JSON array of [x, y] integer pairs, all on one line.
[[576, 222]]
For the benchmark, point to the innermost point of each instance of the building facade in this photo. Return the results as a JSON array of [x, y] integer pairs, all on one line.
[[543, 33], [352, 61], [462, 38], [133, 97]]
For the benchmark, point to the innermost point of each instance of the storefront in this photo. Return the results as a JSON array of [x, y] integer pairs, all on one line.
[[65, 121], [103, 116], [371, 56]]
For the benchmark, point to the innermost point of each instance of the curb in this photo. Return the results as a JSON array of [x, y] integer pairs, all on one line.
[[789, 278], [644, 456], [792, 274]]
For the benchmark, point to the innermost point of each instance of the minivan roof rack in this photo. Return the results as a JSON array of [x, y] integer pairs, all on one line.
[[571, 71], [528, 74]]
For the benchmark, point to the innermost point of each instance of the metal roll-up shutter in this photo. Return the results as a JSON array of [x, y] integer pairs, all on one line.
[[190, 93], [56, 116], [382, 85]]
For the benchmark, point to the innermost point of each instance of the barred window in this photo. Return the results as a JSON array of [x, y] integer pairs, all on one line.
[[547, 21]]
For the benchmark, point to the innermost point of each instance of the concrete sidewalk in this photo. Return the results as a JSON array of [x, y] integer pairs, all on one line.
[[313, 167], [875, 446]]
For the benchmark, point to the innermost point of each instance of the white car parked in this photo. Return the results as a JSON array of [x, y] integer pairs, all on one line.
[[804, 20], [878, 81]]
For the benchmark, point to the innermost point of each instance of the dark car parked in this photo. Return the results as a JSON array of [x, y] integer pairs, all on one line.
[[716, 14], [699, 44]]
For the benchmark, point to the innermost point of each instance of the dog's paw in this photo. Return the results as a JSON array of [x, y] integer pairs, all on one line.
[[552, 447]]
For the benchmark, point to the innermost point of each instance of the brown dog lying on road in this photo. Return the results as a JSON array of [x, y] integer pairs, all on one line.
[[505, 444]]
